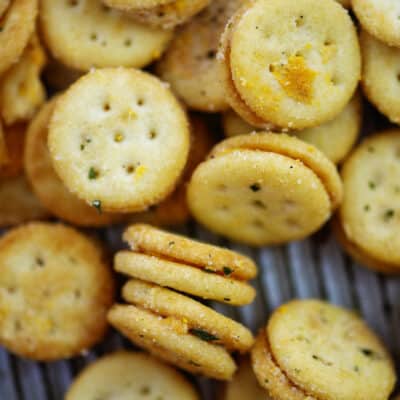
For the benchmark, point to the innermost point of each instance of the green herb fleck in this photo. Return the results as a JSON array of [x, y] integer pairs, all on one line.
[[370, 354], [371, 149], [93, 173], [321, 360], [204, 335], [255, 187], [191, 362], [356, 368], [82, 147], [389, 214], [266, 380], [97, 205], [145, 390], [227, 299], [367, 207], [172, 243], [372, 185], [227, 271]]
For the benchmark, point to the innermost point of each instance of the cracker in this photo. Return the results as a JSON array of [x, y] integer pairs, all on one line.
[[130, 153], [381, 79], [167, 339], [150, 240], [190, 64], [369, 214], [184, 278], [48, 186], [199, 318], [18, 204], [55, 290], [270, 376], [380, 18], [17, 26], [21, 90], [174, 209], [329, 352], [130, 376], [164, 15], [294, 64], [244, 385], [334, 138], [14, 137], [84, 34], [275, 187]]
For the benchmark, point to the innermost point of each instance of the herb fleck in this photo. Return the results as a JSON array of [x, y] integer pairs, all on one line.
[[371, 149], [172, 243], [145, 390], [191, 362], [370, 354], [227, 271], [204, 335], [367, 207], [227, 299], [97, 205], [372, 185], [389, 214], [93, 173], [321, 360], [356, 368]]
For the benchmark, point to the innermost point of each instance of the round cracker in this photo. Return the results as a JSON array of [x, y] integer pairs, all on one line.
[[48, 186], [270, 376], [381, 78], [370, 215], [150, 240], [55, 290], [130, 153], [21, 89], [166, 16], [201, 320], [18, 203], [190, 64], [244, 385], [184, 278], [84, 34], [329, 352], [130, 376], [359, 254], [167, 339], [334, 138], [174, 210], [272, 198], [294, 148], [295, 64], [17, 26], [380, 18]]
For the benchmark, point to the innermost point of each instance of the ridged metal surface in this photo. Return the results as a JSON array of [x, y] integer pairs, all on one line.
[[314, 268]]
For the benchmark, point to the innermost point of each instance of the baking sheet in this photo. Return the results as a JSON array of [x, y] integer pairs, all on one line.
[[313, 268]]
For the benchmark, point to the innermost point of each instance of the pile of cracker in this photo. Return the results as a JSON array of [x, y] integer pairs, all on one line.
[[243, 115]]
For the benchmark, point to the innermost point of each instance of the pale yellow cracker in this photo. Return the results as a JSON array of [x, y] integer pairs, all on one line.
[[294, 64], [380, 18], [184, 278], [130, 376], [270, 376], [16, 28], [150, 240], [334, 138], [201, 320], [48, 186], [14, 137], [190, 64], [21, 89], [84, 34], [274, 187], [174, 210], [381, 77], [166, 15], [55, 290], [18, 204], [329, 352], [126, 136], [244, 385], [370, 215], [167, 339]]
